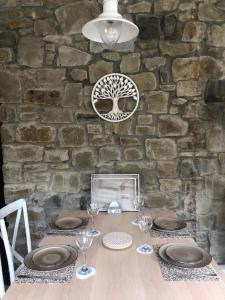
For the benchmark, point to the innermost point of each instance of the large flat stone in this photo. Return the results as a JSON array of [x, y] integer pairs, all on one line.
[[109, 153], [44, 27], [70, 57], [209, 12], [12, 173], [188, 168], [30, 52], [51, 78], [215, 138], [176, 48], [23, 153], [17, 191], [58, 39], [157, 102], [139, 7], [43, 97], [170, 185], [56, 156], [73, 95], [35, 134], [8, 133], [133, 154], [194, 31], [130, 63], [190, 88], [160, 149], [216, 36], [6, 55], [167, 169], [99, 69], [161, 200], [73, 16], [57, 115], [8, 38], [154, 63], [172, 126], [204, 67], [149, 27], [161, 6], [10, 88], [207, 166], [83, 159], [72, 136], [66, 182], [145, 81]]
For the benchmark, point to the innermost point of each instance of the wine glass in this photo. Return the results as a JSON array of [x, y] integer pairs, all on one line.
[[138, 204], [83, 242], [145, 224], [93, 210]]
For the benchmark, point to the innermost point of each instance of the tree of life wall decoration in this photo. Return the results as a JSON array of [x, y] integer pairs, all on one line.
[[115, 97]]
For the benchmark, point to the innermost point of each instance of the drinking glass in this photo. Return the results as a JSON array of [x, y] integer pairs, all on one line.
[[84, 241], [138, 204], [145, 225], [93, 210]]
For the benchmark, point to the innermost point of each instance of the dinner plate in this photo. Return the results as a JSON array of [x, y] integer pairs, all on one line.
[[178, 253], [49, 258], [169, 224], [67, 223], [185, 254]]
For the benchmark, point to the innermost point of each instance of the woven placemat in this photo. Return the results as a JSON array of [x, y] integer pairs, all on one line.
[[173, 273], [59, 276], [187, 232], [54, 231]]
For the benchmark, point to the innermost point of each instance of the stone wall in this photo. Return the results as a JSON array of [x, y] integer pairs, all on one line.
[[52, 139]]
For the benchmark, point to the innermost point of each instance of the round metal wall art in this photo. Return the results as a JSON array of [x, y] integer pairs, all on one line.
[[115, 97]]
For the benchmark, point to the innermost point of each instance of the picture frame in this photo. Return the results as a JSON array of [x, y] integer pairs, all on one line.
[[123, 188]]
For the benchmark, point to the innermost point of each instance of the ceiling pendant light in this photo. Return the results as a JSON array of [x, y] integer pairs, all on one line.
[[110, 27]]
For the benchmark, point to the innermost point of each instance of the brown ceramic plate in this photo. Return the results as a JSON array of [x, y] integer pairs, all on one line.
[[185, 254], [179, 251], [169, 224], [49, 258], [68, 223]]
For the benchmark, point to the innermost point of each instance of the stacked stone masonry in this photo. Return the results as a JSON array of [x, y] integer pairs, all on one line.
[[53, 141]]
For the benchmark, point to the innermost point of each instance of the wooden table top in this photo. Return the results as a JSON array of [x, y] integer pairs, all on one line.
[[120, 275]]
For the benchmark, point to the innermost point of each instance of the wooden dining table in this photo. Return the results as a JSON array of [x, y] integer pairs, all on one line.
[[120, 274]]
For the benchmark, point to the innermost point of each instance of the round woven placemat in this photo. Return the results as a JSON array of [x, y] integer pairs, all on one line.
[[117, 240]]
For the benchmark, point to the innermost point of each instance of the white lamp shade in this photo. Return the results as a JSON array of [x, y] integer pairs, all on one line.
[[126, 30], [92, 29]]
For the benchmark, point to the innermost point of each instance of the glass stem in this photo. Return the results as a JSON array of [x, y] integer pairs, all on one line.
[[85, 259], [146, 237], [93, 223]]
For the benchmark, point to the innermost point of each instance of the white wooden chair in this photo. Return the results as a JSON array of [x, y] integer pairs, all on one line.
[[2, 286], [20, 207]]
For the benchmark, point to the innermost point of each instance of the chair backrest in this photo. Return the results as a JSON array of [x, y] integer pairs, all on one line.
[[2, 286], [20, 207]]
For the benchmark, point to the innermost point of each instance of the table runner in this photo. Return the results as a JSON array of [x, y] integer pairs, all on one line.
[[187, 232], [173, 273], [54, 231], [58, 276]]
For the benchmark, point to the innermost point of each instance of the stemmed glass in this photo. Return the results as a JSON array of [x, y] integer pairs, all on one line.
[[93, 210], [138, 204], [145, 224], [83, 242]]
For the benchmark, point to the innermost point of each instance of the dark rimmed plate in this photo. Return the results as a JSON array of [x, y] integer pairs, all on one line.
[[179, 251], [168, 224], [49, 258], [68, 222]]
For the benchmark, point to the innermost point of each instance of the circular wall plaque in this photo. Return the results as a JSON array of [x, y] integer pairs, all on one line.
[[115, 97]]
